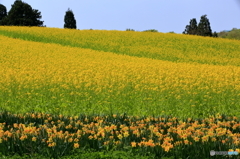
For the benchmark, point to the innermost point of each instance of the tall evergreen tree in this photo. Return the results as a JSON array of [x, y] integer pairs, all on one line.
[[69, 20], [204, 28], [22, 14], [192, 28], [3, 12]]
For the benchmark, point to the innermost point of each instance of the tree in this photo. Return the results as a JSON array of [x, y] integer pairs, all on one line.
[[130, 29], [192, 28], [22, 14], [204, 28], [3, 12], [69, 20], [215, 35]]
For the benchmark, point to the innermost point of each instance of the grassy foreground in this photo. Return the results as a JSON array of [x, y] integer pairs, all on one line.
[[130, 92]]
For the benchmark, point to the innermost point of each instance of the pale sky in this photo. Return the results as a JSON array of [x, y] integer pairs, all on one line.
[[162, 15]]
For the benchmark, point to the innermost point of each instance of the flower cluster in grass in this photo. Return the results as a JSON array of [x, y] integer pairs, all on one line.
[[58, 135], [55, 79]]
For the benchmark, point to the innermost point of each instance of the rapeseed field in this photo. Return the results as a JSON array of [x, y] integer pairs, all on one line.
[[98, 73], [162, 46]]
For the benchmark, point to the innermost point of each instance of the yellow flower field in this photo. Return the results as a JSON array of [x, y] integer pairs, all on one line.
[[162, 46], [71, 80], [75, 88]]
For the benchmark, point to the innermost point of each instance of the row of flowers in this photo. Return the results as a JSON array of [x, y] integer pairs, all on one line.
[[58, 135]]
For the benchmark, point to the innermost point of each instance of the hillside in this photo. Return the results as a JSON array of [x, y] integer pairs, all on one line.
[[169, 47], [104, 94], [176, 74], [230, 34]]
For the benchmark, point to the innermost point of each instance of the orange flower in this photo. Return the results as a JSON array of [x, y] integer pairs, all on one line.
[[120, 136], [167, 148], [126, 134], [76, 145], [184, 136], [205, 138], [102, 134], [49, 130], [168, 139], [177, 143], [117, 142], [70, 139], [23, 137], [223, 141], [76, 140], [186, 142], [134, 144], [213, 139], [140, 144], [113, 127], [34, 139], [236, 142], [15, 125], [111, 137], [210, 133], [149, 143], [9, 134], [53, 144]]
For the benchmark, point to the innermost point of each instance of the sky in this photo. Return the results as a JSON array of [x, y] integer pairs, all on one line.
[[162, 15]]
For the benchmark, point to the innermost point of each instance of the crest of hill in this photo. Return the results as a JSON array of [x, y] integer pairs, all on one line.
[[162, 46]]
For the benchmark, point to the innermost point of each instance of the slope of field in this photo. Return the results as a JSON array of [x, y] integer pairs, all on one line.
[[52, 78], [168, 47]]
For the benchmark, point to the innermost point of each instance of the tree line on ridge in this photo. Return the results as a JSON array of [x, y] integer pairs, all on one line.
[[22, 14]]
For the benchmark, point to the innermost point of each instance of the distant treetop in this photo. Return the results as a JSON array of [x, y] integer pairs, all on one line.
[[201, 29], [69, 19]]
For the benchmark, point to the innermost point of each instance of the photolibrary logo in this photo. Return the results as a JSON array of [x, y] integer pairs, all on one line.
[[212, 153]]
